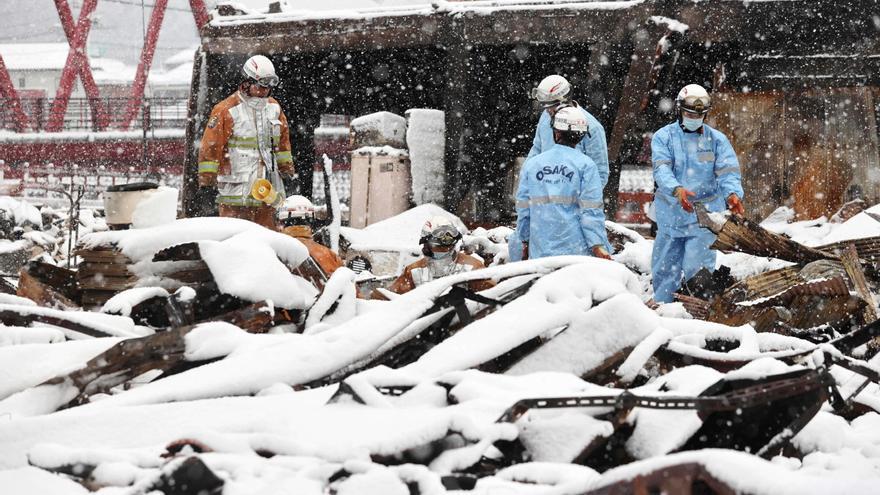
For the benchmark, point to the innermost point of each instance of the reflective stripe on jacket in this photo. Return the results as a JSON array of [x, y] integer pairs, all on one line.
[[559, 204], [702, 162], [593, 145], [237, 148]]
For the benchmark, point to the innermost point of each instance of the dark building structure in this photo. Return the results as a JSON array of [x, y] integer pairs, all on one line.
[[793, 81]]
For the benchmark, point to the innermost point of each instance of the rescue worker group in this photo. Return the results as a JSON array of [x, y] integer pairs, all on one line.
[[245, 167]]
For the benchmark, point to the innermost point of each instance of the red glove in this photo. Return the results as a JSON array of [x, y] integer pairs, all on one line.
[[600, 252], [734, 204], [683, 194]]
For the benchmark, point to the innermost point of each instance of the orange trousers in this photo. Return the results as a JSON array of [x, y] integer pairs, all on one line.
[[263, 214]]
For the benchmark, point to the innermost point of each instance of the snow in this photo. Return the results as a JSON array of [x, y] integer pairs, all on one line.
[[344, 9], [64, 136], [123, 301], [112, 325], [27, 365], [399, 233], [381, 151], [141, 244], [34, 56], [379, 129], [157, 208], [258, 272], [21, 212], [750, 474], [425, 139], [247, 395], [19, 335], [29, 480], [335, 209]]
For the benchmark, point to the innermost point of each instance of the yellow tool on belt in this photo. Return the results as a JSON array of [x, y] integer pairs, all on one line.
[[262, 190]]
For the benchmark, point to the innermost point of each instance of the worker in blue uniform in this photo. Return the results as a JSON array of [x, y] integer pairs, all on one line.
[[693, 163], [559, 200], [551, 92]]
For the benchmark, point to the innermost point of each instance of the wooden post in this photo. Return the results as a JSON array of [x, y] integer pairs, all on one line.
[[853, 267]]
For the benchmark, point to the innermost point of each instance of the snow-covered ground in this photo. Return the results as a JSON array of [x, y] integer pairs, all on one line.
[[255, 413]]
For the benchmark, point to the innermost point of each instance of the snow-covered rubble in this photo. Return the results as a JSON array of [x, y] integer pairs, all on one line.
[[410, 394]]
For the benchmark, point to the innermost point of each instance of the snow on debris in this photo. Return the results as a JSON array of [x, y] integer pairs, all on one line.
[[246, 397], [123, 301], [399, 233]]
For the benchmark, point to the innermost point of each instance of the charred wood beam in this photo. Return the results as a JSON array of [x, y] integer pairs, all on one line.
[[6, 287], [853, 267], [49, 285], [799, 22], [43, 293], [744, 236], [684, 479], [133, 357], [21, 316]]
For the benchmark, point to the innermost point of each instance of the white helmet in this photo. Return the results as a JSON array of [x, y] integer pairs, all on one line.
[[260, 70], [296, 206], [570, 119], [439, 231], [694, 99], [551, 91]]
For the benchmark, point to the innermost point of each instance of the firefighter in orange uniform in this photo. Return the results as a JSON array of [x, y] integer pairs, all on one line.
[[246, 139]]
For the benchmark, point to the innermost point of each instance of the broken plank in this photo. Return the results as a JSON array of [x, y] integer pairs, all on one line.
[[853, 267], [741, 235], [23, 316], [103, 256], [42, 293], [90, 268], [181, 252], [106, 282]]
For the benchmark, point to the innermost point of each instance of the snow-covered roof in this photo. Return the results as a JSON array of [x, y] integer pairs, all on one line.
[[179, 58], [362, 9], [53, 56], [34, 56]]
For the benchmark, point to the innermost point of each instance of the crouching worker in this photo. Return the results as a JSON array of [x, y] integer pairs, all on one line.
[[693, 163], [441, 257], [559, 204], [297, 219]]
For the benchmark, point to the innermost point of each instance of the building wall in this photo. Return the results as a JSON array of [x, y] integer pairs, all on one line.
[[811, 149], [44, 80]]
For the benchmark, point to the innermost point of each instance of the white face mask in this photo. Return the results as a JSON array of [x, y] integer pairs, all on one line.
[[442, 255], [691, 124], [255, 102]]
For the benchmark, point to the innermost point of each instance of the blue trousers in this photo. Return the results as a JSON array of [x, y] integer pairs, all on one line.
[[677, 259]]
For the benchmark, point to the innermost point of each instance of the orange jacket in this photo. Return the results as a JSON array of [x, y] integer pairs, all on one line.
[[235, 147], [419, 272], [326, 259]]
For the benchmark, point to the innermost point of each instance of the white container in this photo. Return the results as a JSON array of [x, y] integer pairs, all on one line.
[[121, 201], [379, 129], [380, 184]]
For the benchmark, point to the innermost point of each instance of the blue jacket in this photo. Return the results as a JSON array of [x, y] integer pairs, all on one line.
[[702, 162], [593, 145], [559, 204]]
